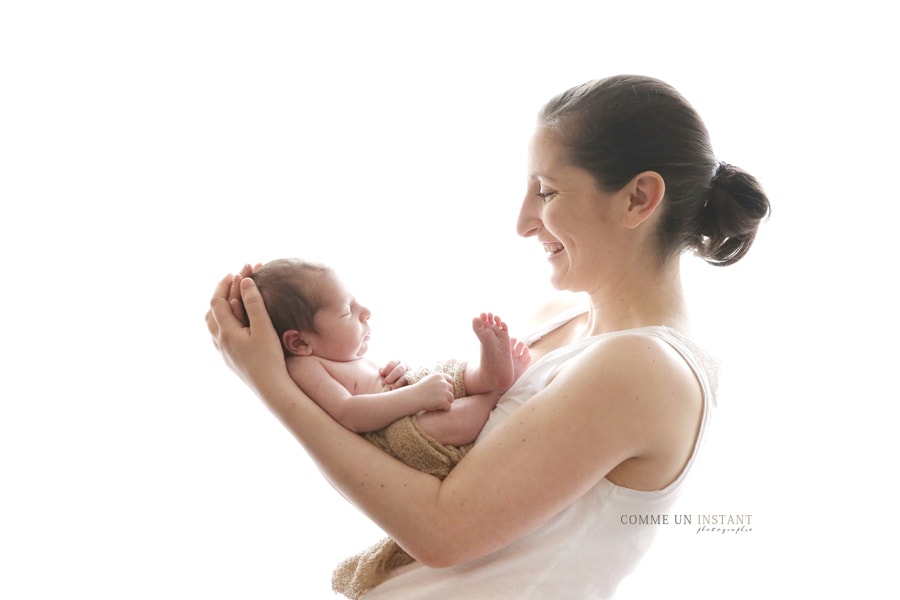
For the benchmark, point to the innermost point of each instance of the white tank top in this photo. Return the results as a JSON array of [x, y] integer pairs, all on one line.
[[585, 551]]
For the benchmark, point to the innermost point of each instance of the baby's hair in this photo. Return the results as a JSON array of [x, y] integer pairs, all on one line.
[[289, 287], [618, 127]]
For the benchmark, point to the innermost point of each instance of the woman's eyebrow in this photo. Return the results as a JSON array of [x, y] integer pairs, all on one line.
[[537, 174]]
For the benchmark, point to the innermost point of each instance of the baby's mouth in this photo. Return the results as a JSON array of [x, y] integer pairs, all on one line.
[[552, 248]]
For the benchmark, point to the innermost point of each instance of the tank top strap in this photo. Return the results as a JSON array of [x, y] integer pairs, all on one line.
[[555, 322]]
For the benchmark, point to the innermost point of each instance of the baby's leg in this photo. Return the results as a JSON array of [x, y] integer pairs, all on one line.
[[502, 359], [495, 370], [462, 423]]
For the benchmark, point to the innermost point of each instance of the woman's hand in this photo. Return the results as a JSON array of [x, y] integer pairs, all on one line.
[[243, 333], [234, 292]]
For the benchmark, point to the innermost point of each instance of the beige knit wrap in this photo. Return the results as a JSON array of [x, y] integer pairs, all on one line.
[[406, 441]]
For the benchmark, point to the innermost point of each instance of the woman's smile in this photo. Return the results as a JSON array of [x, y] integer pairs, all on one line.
[[553, 248]]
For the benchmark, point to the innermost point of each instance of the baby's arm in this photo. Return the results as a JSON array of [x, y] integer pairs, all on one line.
[[369, 412]]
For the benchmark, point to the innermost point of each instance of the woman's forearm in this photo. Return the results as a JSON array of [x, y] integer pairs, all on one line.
[[399, 499]]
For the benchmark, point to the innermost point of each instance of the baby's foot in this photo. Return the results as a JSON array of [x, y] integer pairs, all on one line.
[[496, 371], [521, 357]]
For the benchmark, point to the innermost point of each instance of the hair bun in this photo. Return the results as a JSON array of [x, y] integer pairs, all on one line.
[[732, 214], [722, 170]]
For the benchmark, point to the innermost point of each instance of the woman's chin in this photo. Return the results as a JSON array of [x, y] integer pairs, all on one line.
[[558, 279]]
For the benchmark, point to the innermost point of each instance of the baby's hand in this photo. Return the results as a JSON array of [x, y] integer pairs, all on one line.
[[436, 391], [393, 374]]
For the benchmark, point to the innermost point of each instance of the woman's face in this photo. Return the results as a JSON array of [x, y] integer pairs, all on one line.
[[567, 213]]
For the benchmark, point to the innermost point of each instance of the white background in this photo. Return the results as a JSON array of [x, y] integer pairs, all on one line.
[[146, 149]]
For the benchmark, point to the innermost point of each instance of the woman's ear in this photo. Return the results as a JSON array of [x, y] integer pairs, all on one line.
[[296, 344], [646, 191]]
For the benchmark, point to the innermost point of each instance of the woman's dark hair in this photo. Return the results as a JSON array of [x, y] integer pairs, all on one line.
[[620, 126], [289, 288]]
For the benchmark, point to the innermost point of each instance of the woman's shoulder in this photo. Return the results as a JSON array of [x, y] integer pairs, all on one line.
[[647, 352], [638, 384], [638, 371], [664, 354]]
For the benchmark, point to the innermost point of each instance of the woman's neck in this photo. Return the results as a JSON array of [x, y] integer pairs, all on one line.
[[640, 298]]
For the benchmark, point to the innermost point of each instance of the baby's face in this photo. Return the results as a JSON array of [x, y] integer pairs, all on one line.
[[342, 324]]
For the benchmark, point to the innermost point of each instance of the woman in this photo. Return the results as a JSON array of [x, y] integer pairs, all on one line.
[[621, 181]]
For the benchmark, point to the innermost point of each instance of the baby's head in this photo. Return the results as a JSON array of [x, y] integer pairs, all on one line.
[[312, 311]]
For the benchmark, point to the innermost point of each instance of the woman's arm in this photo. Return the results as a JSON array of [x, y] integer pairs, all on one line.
[[593, 418]]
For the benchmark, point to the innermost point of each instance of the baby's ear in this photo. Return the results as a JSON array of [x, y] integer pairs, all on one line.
[[295, 343]]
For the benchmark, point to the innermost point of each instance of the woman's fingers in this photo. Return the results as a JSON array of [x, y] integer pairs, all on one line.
[[235, 304], [247, 270], [234, 293], [211, 325], [219, 294], [255, 307], [237, 308], [234, 290], [222, 289], [220, 319]]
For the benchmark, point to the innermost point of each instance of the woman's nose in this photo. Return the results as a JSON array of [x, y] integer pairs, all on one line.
[[529, 223]]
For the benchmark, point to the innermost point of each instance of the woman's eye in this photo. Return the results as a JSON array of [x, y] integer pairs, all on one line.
[[546, 195]]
